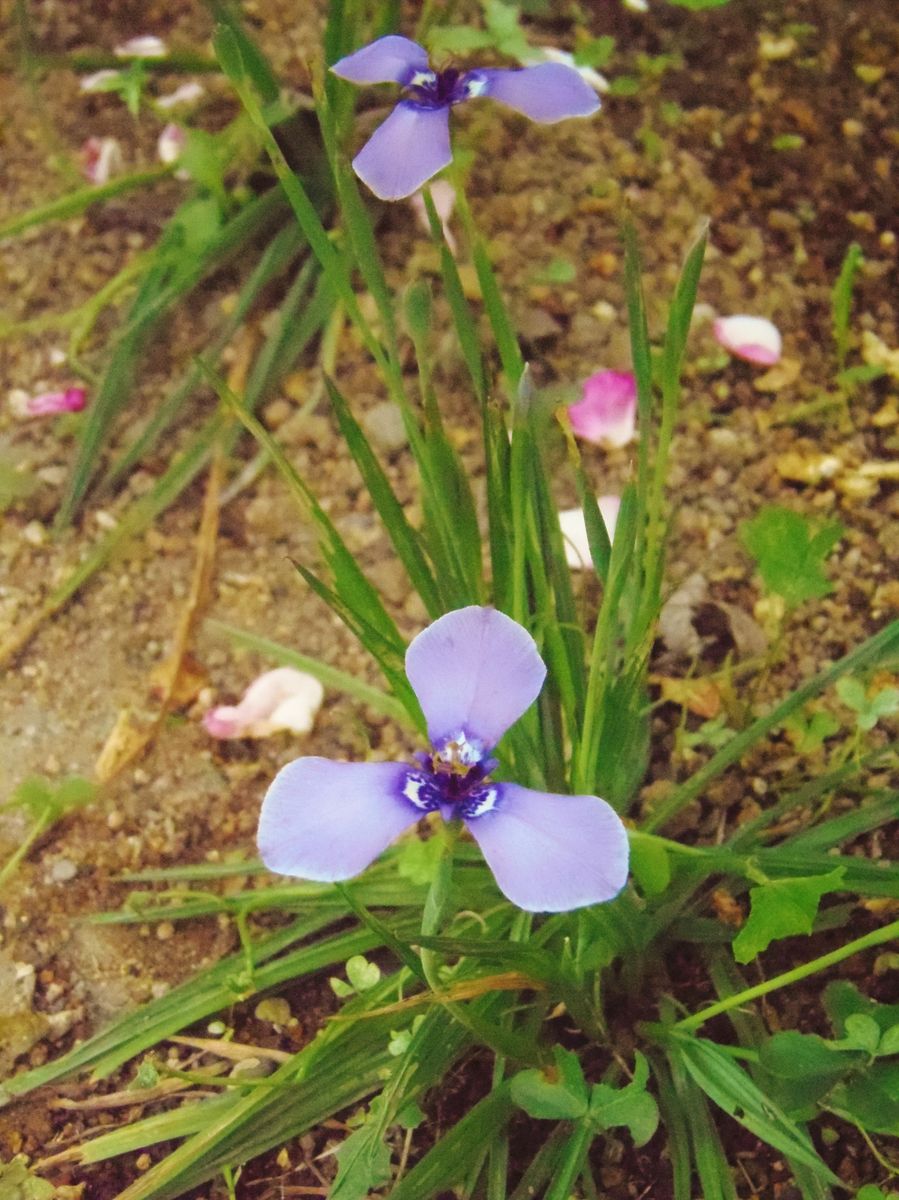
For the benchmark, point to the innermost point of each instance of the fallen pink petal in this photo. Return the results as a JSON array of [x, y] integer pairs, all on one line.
[[48, 404], [754, 339], [100, 159], [145, 46], [283, 699], [444, 196], [607, 412], [171, 143], [574, 531]]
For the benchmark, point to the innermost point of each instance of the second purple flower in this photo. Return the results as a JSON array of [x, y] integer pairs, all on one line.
[[413, 144]]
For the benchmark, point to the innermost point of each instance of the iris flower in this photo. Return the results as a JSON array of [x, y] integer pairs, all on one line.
[[475, 671], [413, 144]]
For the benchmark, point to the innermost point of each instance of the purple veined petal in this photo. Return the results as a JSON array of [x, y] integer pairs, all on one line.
[[405, 151], [474, 671], [325, 820], [552, 853], [390, 59], [546, 92]]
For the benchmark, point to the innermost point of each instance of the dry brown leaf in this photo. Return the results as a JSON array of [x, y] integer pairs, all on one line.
[[676, 617], [465, 989], [237, 1051], [880, 470], [856, 486], [699, 696], [782, 375], [172, 677], [727, 909], [807, 468], [126, 740], [192, 677]]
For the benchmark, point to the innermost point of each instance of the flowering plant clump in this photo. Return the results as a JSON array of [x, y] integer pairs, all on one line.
[[413, 144], [475, 671]]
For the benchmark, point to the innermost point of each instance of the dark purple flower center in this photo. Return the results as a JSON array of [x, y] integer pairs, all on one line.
[[441, 89], [452, 780]]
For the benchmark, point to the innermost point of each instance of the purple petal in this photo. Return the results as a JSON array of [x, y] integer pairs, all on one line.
[[405, 151], [325, 820], [552, 853], [546, 92], [474, 671], [390, 59]]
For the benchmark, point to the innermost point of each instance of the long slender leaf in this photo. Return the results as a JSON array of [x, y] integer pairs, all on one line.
[[870, 651]]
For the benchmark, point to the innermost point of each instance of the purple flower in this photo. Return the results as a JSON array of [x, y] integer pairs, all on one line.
[[413, 144], [474, 671]]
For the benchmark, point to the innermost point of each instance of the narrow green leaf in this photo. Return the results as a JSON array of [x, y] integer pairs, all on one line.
[[841, 299], [405, 539], [734, 1091]]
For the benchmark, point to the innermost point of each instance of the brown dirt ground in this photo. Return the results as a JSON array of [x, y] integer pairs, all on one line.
[[781, 221]]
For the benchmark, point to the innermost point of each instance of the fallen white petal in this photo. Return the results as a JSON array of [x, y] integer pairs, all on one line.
[[187, 93], [444, 196], [574, 531], [594, 78], [101, 158], [754, 339], [145, 46], [281, 699], [95, 81], [171, 143]]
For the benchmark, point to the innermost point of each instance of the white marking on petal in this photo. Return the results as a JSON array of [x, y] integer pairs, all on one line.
[[422, 79], [474, 85], [460, 751], [485, 803]]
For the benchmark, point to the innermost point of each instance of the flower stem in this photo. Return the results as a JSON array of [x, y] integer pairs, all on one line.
[[876, 938], [44, 821]]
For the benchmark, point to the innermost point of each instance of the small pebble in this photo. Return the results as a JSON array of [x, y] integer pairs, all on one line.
[[62, 870], [384, 425]]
